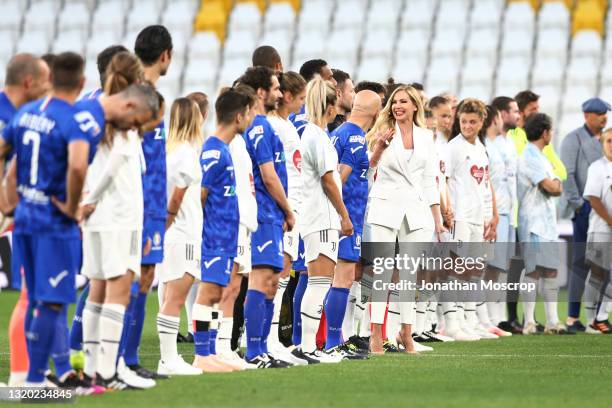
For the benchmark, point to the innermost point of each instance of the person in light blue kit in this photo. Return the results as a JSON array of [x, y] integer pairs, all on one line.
[[350, 143], [537, 225]]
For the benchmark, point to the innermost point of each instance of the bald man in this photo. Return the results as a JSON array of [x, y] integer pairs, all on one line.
[[350, 143], [267, 56]]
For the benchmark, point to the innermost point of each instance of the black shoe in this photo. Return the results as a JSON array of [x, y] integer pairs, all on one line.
[[429, 337], [362, 343], [389, 348], [575, 327], [145, 373], [512, 326], [113, 383], [540, 328], [264, 361], [276, 363], [189, 337], [180, 338], [74, 382], [298, 353], [349, 351], [52, 378]]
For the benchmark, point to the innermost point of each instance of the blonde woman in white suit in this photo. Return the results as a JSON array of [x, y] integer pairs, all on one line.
[[404, 201]]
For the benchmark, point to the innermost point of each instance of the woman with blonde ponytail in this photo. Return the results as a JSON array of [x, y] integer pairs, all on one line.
[[324, 215], [403, 205]]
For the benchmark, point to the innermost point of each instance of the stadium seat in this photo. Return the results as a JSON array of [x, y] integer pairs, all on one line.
[[582, 71], [142, 14], [41, 17], [109, 16], [179, 45], [245, 17], [172, 82], [315, 15], [413, 43], [552, 43], [92, 77], [486, 14], [442, 76], [378, 44], [374, 69], [101, 40], [239, 44], [383, 16], [345, 64], [477, 71], [512, 74], [447, 44], [482, 42], [574, 96], [451, 16], [343, 44], [35, 42], [280, 40], [212, 16], [7, 46], [307, 46], [606, 92], [588, 16], [409, 69], [418, 14], [352, 12], [200, 73], [279, 16], [554, 15], [586, 44], [205, 45], [12, 14], [480, 91], [231, 70], [519, 16], [546, 73], [69, 41], [261, 4], [517, 43], [568, 123], [550, 97], [179, 16], [129, 39], [75, 16]]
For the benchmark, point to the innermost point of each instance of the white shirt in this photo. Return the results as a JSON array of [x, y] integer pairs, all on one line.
[[503, 173], [599, 184], [245, 184], [441, 151], [537, 211], [183, 164], [293, 158], [318, 158], [467, 171], [115, 185]]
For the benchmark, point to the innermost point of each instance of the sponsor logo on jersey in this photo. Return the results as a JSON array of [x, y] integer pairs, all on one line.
[[211, 154], [357, 139], [229, 191], [279, 157]]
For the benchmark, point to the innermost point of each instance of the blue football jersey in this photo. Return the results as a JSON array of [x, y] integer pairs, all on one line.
[[221, 218], [154, 179], [7, 111], [40, 134], [299, 120], [93, 94], [90, 116], [349, 141], [264, 145]]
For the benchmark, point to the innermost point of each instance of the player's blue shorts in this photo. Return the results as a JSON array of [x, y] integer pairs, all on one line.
[[267, 247], [300, 263], [216, 269], [349, 247], [153, 229], [50, 264]]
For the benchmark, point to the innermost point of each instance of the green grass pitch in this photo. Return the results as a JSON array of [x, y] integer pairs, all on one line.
[[542, 371]]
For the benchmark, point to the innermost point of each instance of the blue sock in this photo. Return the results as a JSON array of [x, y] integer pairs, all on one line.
[[296, 336], [135, 330], [254, 315], [267, 326], [42, 333], [213, 339], [76, 331], [335, 307], [201, 341], [28, 323], [127, 321], [60, 350]]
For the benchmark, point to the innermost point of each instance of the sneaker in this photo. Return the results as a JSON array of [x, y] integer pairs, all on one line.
[[422, 338], [326, 358], [390, 347], [210, 364], [264, 361], [350, 347], [362, 343], [558, 328], [499, 332], [512, 326], [346, 353], [282, 353], [146, 373], [97, 389], [74, 382], [530, 328], [540, 327], [298, 353], [485, 333], [276, 363], [438, 336], [575, 327], [112, 384], [471, 331], [232, 358], [460, 335], [181, 339], [132, 378], [591, 329], [602, 326], [77, 359], [177, 366], [418, 347]]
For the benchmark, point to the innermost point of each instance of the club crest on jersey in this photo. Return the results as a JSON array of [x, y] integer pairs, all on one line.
[[297, 160], [156, 239], [357, 139], [442, 167], [478, 173]]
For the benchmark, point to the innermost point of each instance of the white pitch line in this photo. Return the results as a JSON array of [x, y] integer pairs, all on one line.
[[520, 355]]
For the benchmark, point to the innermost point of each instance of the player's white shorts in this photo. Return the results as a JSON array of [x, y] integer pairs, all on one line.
[[599, 249], [504, 244], [539, 251], [180, 258], [291, 243], [110, 254], [470, 241], [243, 257], [321, 243]]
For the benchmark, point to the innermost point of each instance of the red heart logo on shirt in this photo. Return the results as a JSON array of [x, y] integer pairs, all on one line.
[[297, 160], [478, 173]]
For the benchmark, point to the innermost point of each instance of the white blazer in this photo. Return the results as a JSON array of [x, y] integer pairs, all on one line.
[[405, 187]]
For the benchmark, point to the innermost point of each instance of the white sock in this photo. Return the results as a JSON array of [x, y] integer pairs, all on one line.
[[365, 325], [91, 340], [451, 317], [421, 314], [550, 292], [469, 310], [111, 326], [349, 314], [592, 290], [167, 329], [483, 314], [359, 310], [273, 339], [217, 315], [160, 293], [393, 317], [189, 302], [602, 312], [224, 336], [529, 300], [312, 307]]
